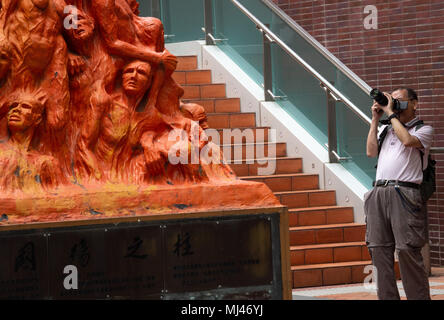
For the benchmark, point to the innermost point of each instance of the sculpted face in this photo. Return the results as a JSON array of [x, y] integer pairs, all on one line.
[[136, 78], [24, 114], [85, 27]]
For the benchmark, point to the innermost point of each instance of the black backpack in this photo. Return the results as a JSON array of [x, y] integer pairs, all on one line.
[[428, 185]]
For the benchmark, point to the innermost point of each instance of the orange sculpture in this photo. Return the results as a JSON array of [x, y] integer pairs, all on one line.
[[91, 119]]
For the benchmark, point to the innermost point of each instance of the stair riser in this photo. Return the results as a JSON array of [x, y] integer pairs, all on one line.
[[239, 136], [327, 235], [186, 63], [329, 255], [308, 199], [258, 151], [296, 183], [192, 77], [235, 120], [218, 105], [205, 91], [334, 276], [320, 217], [282, 167]]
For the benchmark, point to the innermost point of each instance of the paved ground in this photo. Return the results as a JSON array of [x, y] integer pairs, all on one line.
[[366, 292]]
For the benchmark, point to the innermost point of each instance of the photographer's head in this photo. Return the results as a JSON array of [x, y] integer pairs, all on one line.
[[409, 95]]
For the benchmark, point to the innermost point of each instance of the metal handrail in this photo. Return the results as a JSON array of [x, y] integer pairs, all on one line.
[[314, 43], [436, 150], [302, 62]]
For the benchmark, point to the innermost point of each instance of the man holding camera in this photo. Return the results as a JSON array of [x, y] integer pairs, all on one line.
[[395, 212]]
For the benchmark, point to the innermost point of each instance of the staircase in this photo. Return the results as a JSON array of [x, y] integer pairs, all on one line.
[[327, 247]]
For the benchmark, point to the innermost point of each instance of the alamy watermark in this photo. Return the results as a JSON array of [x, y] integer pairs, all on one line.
[[371, 21]]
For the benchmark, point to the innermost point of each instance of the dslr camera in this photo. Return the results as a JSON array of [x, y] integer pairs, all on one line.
[[380, 98]]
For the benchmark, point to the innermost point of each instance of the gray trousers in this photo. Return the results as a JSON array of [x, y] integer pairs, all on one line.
[[396, 219]]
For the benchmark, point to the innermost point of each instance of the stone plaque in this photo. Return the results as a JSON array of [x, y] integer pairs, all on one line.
[[84, 249], [117, 262], [211, 255], [230, 257], [23, 267], [134, 261]]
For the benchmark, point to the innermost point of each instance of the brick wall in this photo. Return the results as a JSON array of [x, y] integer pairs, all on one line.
[[407, 49]]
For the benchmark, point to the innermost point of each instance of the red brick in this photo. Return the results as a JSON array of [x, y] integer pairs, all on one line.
[[307, 278], [297, 257], [332, 276], [302, 237], [330, 235], [314, 256], [347, 254]]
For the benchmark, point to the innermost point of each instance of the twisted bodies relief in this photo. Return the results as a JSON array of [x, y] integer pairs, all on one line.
[[94, 103]]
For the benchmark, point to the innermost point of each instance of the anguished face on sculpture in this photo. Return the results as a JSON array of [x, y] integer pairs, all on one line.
[[24, 113], [136, 78], [85, 27]]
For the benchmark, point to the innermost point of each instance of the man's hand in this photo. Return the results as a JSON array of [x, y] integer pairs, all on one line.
[[376, 111], [388, 109]]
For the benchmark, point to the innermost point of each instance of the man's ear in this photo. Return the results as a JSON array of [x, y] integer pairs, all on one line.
[[415, 104]]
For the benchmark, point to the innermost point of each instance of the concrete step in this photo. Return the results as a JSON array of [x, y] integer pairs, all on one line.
[[320, 215], [331, 233], [282, 165], [217, 105], [288, 182], [307, 198], [329, 253], [204, 91]]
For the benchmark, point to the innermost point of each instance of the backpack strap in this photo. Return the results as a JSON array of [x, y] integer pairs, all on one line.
[[382, 137]]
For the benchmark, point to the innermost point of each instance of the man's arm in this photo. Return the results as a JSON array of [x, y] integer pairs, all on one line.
[[104, 11], [372, 138]]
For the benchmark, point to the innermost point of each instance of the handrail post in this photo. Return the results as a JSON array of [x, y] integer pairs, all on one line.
[[209, 29], [332, 130], [268, 67]]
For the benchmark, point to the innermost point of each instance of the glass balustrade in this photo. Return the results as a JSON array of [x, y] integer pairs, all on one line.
[[182, 20], [241, 40]]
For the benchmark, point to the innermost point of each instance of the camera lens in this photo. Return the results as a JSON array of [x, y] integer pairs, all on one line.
[[379, 97]]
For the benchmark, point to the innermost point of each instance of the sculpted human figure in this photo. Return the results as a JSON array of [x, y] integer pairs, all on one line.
[[21, 166], [31, 33], [102, 138]]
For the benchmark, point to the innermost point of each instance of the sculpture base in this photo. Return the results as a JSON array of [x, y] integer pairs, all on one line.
[[229, 254], [113, 200]]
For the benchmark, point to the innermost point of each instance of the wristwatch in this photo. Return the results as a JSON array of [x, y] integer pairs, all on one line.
[[393, 115]]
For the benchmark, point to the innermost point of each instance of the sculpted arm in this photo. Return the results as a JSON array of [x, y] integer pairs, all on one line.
[[104, 11]]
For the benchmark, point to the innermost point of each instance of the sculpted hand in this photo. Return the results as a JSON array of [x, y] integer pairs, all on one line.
[[169, 61], [76, 64], [154, 161]]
